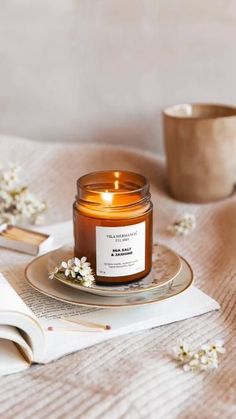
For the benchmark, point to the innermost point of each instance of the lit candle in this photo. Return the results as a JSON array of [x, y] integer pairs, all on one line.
[[113, 225]]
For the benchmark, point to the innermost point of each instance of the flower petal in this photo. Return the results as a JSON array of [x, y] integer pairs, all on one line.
[[77, 261], [64, 265]]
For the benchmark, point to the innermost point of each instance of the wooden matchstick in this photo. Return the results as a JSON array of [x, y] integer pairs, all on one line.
[[65, 329], [25, 239], [26, 231], [61, 329], [88, 324], [22, 235]]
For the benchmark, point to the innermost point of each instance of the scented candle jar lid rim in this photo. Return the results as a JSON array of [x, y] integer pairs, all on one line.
[[121, 185]]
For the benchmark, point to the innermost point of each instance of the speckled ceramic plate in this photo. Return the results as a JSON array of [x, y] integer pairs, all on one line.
[[166, 265], [37, 276]]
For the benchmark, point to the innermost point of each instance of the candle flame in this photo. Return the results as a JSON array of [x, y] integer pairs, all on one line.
[[107, 197], [116, 184]]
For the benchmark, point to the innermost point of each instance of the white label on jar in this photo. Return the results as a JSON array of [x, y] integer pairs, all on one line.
[[120, 251]]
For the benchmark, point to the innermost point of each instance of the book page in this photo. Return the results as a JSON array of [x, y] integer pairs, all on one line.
[[13, 334], [67, 337], [43, 307], [192, 302], [14, 312], [9, 298], [11, 361]]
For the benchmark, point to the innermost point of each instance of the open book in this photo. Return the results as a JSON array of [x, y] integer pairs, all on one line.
[[32, 329]]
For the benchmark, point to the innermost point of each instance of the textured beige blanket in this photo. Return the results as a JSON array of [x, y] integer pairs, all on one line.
[[131, 376]]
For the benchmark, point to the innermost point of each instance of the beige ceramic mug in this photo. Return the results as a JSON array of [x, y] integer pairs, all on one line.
[[200, 145]]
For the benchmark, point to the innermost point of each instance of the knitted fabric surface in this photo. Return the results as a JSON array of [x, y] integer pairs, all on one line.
[[132, 376]]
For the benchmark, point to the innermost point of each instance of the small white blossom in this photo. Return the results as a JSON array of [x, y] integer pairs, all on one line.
[[208, 362], [214, 347], [77, 263], [53, 273], [11, 176], [82, 267], [183, 226], [85, 271], [182, 351], [63, 265], [203, 359], [192, 365], [17, 203], [77, 269], [69, 268], [88, 280]]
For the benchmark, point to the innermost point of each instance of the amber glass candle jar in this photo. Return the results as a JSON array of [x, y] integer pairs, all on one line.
[[113, 225]]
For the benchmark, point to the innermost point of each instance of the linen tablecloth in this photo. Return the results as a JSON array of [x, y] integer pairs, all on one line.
[[133, 376]]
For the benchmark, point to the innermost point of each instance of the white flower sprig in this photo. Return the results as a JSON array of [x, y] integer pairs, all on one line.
[[183, 226], [77, 269], [202, 359], [17, 203]]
